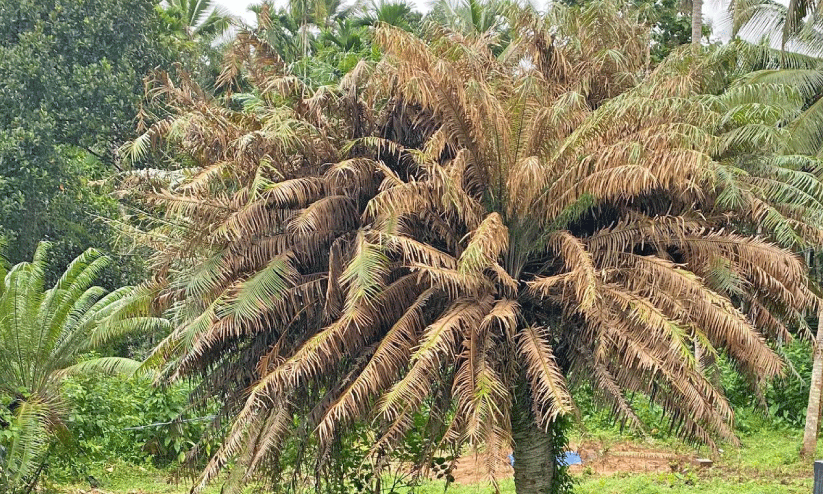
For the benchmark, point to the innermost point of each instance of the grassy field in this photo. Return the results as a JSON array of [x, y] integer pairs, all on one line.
[[766, 463]]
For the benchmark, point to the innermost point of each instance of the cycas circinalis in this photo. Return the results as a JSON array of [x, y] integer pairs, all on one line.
[[472, 231], [43, 333]]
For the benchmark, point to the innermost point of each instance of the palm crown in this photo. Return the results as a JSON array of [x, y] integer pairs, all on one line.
[[471, 231]]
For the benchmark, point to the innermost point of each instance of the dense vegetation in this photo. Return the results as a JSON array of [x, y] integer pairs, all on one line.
[[369, 241]]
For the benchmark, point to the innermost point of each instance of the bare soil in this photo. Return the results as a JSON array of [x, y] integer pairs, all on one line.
[[623, 457]]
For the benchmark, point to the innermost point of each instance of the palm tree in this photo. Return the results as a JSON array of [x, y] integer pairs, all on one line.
[[277, 29], [397, 14], [470, 16], [796, 27], [697, 22], [806, 138], [43, 334], [469, 233], [812, 424], [195, 19], [346, 34]]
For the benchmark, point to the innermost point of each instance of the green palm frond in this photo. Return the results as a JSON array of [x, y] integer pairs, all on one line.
[[44, 332]]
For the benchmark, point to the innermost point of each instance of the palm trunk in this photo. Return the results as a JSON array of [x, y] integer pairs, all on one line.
[[813, 410], [534, 455], [697, 21]]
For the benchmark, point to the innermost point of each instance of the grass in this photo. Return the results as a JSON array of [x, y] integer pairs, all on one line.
[[766, 463]]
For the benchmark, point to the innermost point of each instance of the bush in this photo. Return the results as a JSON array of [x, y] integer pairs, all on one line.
[[786, 397], [130, 420]]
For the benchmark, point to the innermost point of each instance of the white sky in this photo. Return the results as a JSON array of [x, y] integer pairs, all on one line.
[[713, 11]]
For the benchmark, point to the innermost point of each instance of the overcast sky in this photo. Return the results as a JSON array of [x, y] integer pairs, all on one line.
[[713, 10]]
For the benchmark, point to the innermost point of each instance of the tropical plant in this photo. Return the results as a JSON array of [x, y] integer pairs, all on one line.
[[127, 419], [795, 27], [345, 34], [471, 17], [43, 333], [397, 14], [194, 19], [319, 13], [469, 232]]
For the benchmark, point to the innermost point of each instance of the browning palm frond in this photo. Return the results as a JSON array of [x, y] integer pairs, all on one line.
[[467, 224]]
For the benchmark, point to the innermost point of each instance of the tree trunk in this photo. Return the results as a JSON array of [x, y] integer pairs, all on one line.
[[697, 22], [534, 455], [813, 410]]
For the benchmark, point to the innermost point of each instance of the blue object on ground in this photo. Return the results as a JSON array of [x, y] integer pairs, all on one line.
[[569, 458]]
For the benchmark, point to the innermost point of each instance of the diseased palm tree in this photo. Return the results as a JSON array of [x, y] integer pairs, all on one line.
[[470, 233], [43, 333]]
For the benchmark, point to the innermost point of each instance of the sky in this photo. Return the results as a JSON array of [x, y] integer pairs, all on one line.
[[713, 10]]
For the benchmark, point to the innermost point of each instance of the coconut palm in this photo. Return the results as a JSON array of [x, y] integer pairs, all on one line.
[[43, 333], [470, 233], [195, 19], [796, 27]]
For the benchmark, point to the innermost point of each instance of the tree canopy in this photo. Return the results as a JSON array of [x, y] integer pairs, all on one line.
[[72, 73], [470, 229]]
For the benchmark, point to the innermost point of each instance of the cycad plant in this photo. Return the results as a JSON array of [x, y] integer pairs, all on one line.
[[467, 233], [43, 334]]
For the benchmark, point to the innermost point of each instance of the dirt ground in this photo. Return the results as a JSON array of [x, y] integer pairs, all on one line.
[[621, 457]]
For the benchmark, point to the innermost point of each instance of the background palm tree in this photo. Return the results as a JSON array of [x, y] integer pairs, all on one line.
[[195, 19], [398, 14], [43, 334], [470, 16], [470, 233], [697, 21], [796, 27]]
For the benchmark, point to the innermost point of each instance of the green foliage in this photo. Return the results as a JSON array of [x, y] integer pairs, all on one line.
[[669, 20], [112, 417], [786, 397], [42, 334], [670, 25], [322, 41], [72, 76]]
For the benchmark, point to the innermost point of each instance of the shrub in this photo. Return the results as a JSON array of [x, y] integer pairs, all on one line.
[[130, 420]]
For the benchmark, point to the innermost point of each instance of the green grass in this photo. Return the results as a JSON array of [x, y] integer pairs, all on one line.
[[123, 478], [766, 463]]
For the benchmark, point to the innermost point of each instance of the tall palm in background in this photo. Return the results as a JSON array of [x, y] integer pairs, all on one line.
[[796, 27], [470, 17], [43, 333], [697, 21], [393, 13], [468, 233], [195, 19]]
